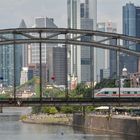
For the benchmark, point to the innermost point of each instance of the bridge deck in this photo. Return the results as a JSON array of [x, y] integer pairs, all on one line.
[[70, 101]]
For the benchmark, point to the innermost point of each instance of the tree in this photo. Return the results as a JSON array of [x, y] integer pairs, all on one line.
[[110, 83]]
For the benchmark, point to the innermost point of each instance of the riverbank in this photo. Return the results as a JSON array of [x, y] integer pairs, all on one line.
[[114, 124], [61, 119]]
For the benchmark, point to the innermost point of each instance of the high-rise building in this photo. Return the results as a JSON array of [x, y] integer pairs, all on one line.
[[131, 22], [24, 47], [34, 50], [53, 57], [81, 16], [108, 59], [7, 66], [73, 10], [87, 52], [56, 57], [33, 54]]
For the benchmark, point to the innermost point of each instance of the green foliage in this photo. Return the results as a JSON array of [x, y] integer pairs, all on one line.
[[127, 83], [2, 96], [77, 108], [63, 109], [88, 93], [53, 110], [66, 109], [45, 109], [81, 88], [36, 109], [90, 108], [55, 92], [37, 90], [110, 83], [70, 109], [29, 82], [23, 117]]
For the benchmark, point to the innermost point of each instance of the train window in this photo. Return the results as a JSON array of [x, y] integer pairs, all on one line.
[[135, 92], [114, 92], [128, 92], [106, 92], [124, 92]]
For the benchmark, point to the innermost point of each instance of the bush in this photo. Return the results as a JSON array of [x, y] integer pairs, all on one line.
[[70, 109], [53, 110], [45, 109], [36, 109], [23, 117], [66, 109]]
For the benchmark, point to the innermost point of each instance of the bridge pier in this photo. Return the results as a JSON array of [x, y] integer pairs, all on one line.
[[110, 111], [83, 110], [1, 109]]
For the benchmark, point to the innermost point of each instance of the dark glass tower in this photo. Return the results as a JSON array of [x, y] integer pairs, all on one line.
[[131, 22]]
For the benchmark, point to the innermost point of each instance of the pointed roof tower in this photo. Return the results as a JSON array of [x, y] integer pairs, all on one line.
[[22, 24]]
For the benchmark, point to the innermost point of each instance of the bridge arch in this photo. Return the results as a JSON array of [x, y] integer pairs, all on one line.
[[31, 35], [67, 37]]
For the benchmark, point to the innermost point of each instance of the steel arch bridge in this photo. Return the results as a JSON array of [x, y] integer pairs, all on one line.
[[66, 37]]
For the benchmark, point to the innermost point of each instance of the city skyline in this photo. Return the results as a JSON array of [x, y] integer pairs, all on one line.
[[29, 9]]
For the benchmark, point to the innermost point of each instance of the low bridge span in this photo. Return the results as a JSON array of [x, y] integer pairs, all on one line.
[[71, 101]]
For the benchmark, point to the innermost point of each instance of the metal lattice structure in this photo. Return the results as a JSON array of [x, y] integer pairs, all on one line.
[[67, 37]]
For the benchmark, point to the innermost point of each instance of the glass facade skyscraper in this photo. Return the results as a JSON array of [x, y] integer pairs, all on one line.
[[131, 22], [7, 65], [81, 16], [106, 59]]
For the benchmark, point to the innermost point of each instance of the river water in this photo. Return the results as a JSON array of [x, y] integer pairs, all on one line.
[[16, 130], [12, 129]]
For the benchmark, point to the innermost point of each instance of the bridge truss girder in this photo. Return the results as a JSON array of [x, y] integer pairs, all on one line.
[[65, 37]]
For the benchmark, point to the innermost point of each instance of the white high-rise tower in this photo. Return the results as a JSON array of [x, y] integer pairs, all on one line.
[[81, 15], [73, 7]]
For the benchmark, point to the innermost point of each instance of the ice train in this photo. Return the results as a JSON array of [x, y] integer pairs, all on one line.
[[116, 92]]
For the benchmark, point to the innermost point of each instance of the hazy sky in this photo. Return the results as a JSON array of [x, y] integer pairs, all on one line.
[[12, 11]]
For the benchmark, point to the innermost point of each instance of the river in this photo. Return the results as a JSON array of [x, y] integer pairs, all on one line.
[[12, 129], [16, 130]]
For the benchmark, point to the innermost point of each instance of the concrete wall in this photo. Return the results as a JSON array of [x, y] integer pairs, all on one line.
[[117, 125], [9, 117]]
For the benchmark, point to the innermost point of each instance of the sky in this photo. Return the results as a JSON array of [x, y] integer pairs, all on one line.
[[12, 11]]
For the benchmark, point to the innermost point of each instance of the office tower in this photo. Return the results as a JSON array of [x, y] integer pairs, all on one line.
[[106, 59], [56, 57], [33, 50], [52, 55], [81, 16], [33, 54], [24, 47], [7, 61], [73, 13], [131, 22], [87, 52], [7, 65]]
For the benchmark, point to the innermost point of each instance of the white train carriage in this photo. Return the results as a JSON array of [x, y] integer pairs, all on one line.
[[114, 92]]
